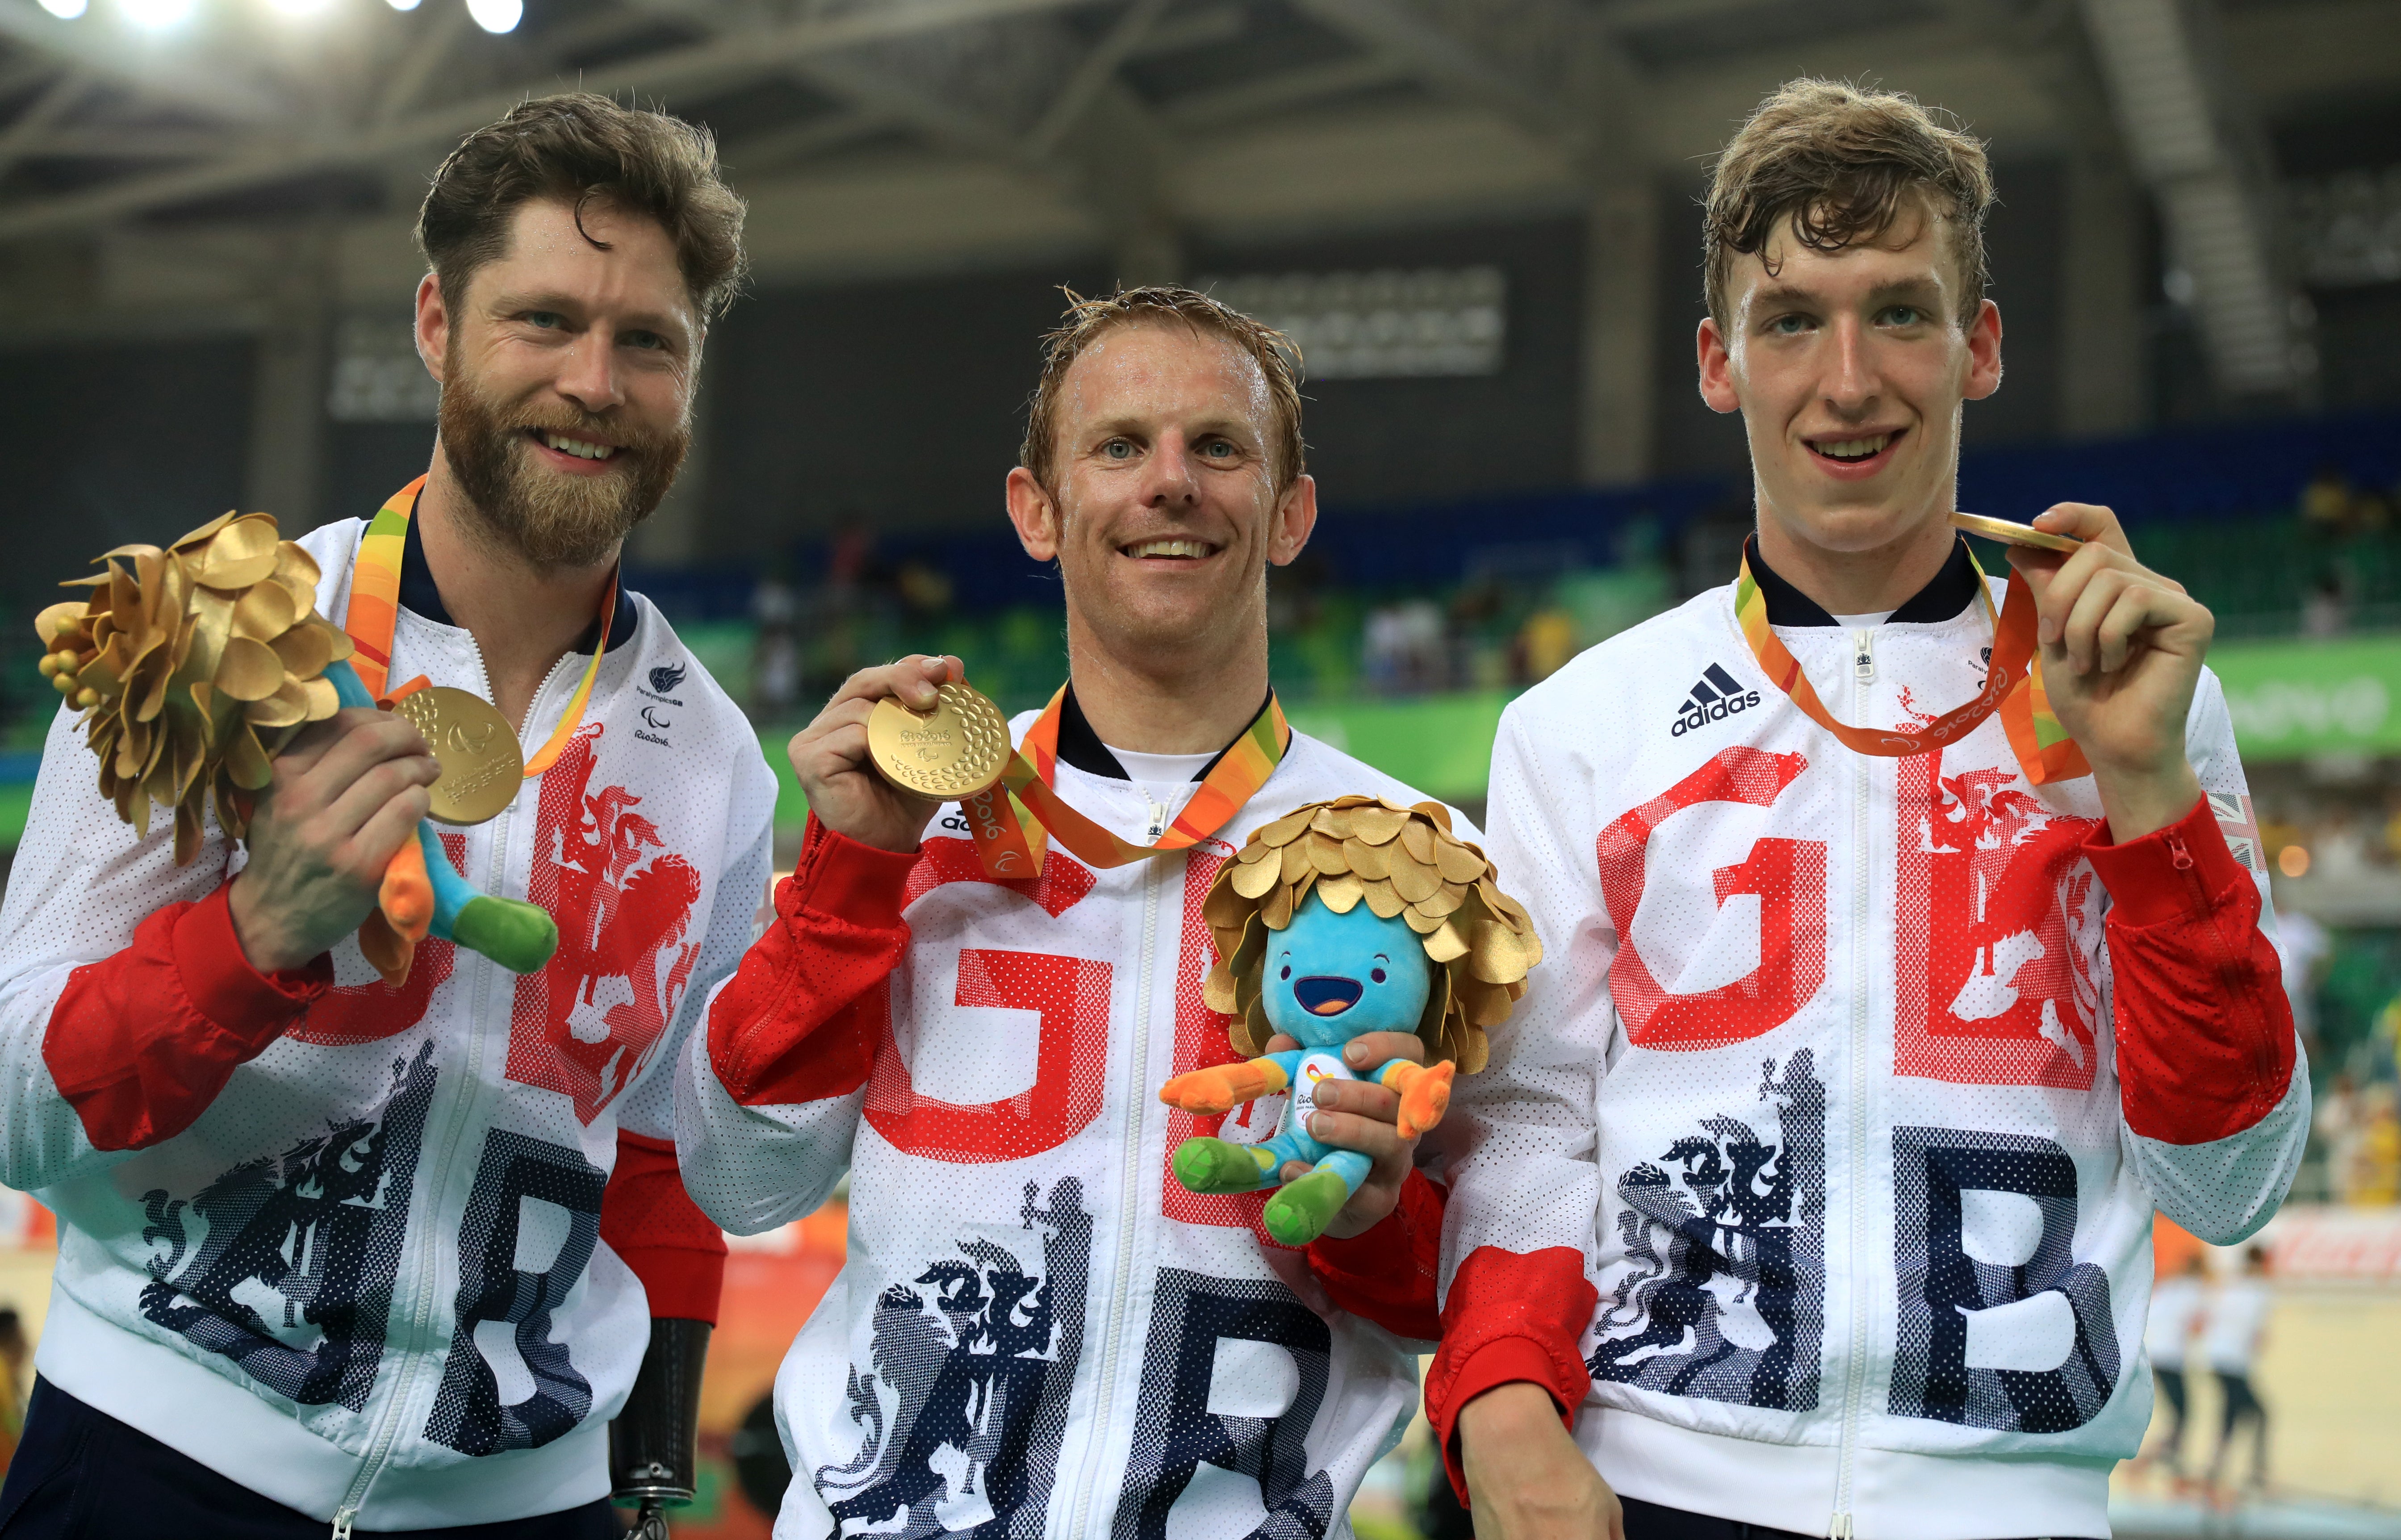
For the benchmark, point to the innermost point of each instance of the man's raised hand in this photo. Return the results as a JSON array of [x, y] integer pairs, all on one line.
[[831, 757], [2121, 650], [346, 793]]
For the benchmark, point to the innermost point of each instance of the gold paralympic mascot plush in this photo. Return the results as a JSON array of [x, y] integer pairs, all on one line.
[[1340, 918], [195, 665]]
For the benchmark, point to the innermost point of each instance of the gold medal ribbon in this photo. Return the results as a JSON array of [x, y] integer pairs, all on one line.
[[1009, 821], [2012, 686], [374, 614]]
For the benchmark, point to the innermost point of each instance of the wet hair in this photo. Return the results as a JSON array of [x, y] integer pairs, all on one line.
[[580, 149], [1836, 165], [1087, 321]]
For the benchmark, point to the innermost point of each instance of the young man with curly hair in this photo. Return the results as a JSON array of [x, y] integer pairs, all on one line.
[[1889, 990]]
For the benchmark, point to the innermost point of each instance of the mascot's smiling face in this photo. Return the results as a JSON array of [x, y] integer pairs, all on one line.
[[1331, 977]]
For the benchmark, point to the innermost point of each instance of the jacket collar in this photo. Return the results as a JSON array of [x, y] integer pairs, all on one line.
[[1082, 748], [1944, 597], [420, 595]]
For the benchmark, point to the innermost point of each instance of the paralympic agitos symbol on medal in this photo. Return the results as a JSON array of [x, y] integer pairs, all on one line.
[[482, 763], [956, 750], [197, 664]]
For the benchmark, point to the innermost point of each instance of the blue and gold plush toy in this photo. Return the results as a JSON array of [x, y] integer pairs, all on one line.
[[1342, 918]]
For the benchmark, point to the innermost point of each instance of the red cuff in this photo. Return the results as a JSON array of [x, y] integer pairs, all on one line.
[[1386, 1274], [652, 1225], [801, 1018], [253, 1007], [2205, 1045], [2171, 873], [1509, 1316], [1504, 1361], [838, 876], [141, 1043]]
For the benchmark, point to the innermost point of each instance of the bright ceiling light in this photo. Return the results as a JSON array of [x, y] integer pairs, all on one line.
[[155, 14], [497, 15], [401, 5], [66, 11]]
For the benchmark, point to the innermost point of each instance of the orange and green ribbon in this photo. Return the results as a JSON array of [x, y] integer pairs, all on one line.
[[374, 614], [2012, 686], [1011, 820]]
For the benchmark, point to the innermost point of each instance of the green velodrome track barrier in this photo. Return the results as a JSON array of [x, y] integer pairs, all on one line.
[[2290, 699]]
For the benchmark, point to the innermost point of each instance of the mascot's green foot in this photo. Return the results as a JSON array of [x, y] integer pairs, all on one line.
[[1214, 1166], [516, 934], [1300, 1213]]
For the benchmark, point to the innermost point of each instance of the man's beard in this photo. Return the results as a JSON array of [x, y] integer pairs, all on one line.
[[551, 519]]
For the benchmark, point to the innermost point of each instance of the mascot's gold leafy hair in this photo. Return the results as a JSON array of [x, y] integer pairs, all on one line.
[[1396, 860], [193, 666]]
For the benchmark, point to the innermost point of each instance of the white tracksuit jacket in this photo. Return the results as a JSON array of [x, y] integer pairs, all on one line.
[[367, 1273], [1811, 1173], [1038, 1331]]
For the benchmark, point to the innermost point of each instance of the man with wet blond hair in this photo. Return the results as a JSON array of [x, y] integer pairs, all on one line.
[[1039, 1330], [1899, 964]]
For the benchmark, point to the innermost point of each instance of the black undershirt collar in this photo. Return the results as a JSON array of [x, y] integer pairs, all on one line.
[[419, 595], [1082, 748], [1948, 593]]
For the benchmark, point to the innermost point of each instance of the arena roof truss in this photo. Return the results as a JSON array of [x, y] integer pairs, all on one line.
[[245, 114]]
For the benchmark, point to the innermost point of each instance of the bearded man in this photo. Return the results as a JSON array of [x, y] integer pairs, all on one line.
[[390, 1259], [1039, 1330]]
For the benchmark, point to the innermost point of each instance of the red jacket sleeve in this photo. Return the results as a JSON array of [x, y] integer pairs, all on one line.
[[653, 1224], [798, 1021], [2204, 1032], [1509, 1316], [142, 1042], [1387, 1274]]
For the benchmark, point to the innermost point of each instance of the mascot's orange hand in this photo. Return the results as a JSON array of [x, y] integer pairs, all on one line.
[[1220, 1087], [1425, 1095]]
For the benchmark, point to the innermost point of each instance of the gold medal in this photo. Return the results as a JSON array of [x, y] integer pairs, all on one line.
[[482, 765], [2010, 532], [957, 749]]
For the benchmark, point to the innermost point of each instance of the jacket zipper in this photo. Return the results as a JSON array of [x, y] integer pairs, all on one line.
[[1137, 1060], [388, 1431], [1855, 1356]]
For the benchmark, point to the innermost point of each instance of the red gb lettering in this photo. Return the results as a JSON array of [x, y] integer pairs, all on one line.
[[1788, 877], [1201, 1040], [1999, 921], [1071, 995]]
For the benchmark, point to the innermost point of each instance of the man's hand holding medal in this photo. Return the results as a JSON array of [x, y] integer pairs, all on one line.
[[849, 787], [2122, 648]]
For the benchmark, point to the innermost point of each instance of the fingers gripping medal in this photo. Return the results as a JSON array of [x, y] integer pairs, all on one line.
[[2010, 532], [956, 750], [482, 763]]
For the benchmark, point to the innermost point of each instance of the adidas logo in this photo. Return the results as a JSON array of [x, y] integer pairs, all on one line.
[[1716, 697]]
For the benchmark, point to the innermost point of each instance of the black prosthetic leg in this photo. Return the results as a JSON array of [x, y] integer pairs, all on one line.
[[653, 1445]]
